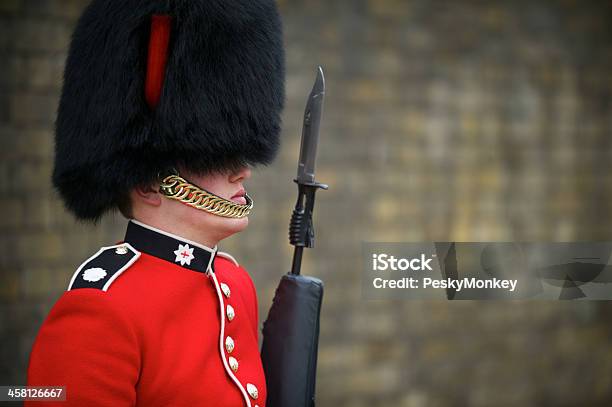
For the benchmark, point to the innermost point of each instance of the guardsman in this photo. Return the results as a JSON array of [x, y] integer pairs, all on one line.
[[166, 105]]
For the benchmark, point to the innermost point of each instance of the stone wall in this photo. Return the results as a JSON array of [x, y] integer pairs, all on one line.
[[447, 120]]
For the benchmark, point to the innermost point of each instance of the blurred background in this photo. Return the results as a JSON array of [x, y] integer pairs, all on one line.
[[444, 120]]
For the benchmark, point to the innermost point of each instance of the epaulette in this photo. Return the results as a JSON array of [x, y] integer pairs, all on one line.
[[228, 256], [100, 270]]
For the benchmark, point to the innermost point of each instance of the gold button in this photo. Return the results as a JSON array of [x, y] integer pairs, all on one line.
[[226, 290], [230, 312], [252, 390], [121, 250], [233, 363], [229, 344]]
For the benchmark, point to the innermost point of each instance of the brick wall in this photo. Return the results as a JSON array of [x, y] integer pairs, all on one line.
[[461, 120]]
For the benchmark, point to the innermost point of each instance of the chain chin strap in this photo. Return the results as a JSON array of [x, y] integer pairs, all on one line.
[[176, 187]]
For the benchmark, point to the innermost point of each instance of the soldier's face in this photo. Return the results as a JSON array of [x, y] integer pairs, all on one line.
[[151, 207], [228, 185]]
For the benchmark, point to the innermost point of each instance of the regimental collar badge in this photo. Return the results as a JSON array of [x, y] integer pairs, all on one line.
[[169, 247], [184, 254]]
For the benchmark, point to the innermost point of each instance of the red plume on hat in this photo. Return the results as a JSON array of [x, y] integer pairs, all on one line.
[[157, 57], [154, 85]]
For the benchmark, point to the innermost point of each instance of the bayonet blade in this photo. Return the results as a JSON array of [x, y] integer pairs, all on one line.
[[310, 131]]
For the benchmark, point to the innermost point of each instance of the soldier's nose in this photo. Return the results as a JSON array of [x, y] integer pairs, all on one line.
[[242, 174]]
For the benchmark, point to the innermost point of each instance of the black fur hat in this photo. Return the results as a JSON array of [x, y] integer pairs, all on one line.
[[219, 103]]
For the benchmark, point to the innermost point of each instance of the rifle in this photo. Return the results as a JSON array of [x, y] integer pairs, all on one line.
[[291, 331]]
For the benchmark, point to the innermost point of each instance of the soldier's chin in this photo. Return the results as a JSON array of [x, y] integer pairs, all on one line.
[[230, 226]]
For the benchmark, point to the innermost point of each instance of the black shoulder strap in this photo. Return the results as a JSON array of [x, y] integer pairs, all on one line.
[[101, 269]]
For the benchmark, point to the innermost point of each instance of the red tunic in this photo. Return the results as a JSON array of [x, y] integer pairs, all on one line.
[[141, 327]]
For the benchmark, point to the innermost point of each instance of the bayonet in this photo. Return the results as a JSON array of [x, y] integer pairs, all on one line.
[[301, 230], [310, 131]]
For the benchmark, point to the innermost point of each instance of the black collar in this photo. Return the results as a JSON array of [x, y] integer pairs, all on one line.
[[169, 247]]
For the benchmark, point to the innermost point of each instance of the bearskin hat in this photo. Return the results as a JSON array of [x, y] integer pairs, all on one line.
[[160, 84]]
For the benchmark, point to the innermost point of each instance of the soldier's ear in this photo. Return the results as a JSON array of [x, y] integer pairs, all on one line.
[[147, 194]]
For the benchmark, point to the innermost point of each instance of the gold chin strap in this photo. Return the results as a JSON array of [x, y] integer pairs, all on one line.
[[175, 187]]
